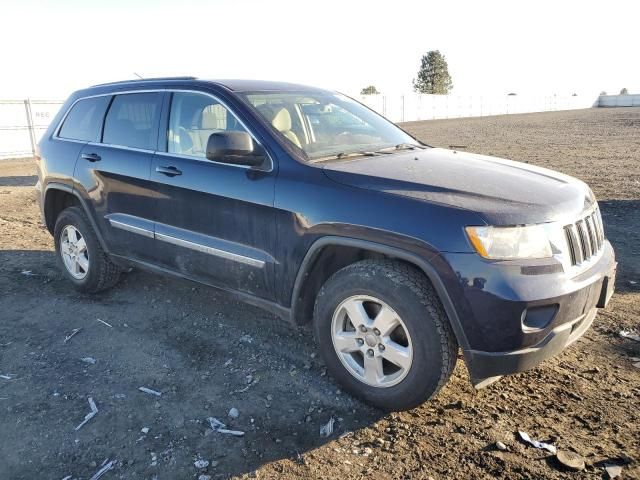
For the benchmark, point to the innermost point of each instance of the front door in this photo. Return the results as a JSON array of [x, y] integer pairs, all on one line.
[[215, 221]]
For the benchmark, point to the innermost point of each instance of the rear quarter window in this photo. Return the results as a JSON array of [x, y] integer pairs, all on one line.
[[84, 121], [132, 120]]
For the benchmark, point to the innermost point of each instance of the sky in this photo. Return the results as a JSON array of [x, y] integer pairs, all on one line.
[[50, 48]]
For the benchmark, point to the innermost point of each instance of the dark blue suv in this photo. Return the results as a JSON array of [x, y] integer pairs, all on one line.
[[306, 203]]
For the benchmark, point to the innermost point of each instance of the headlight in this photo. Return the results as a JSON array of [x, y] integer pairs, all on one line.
[[506, 243]]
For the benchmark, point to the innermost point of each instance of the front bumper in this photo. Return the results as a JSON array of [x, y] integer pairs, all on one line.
[[497, 313]]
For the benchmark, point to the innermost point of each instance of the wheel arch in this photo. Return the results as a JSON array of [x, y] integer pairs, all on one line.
[[57, 197], [302, 300]]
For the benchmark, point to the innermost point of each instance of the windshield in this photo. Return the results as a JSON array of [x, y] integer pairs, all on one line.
[[325, 125]]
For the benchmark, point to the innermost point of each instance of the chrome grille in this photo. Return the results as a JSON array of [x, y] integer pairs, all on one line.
[[585, 237]]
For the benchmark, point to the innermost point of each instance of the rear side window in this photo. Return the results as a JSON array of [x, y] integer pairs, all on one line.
[[85, 119], [132, 120]]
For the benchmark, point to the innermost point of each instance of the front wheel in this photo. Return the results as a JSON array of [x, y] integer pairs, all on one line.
[[383, 334]]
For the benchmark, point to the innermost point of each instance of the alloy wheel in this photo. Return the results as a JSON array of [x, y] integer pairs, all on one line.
[[75, 255], [371, 341]]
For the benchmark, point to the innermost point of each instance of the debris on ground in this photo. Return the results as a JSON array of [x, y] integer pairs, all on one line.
[[89, 360], [145, 430], [613, 470], [630, 334], [150, 392], [218, 426], [27, 273], [570, 460], [72, 334], [90, 415], [234, 413], [251, 381], [106, 466], [546, 446], [215, 423], [204, 477], [105, 323], [201, 464], [327, 429], [7, 377], [501, 446], [246, 339]]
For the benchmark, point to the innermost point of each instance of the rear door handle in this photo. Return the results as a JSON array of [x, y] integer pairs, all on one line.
[[170, 171], [92, 157]]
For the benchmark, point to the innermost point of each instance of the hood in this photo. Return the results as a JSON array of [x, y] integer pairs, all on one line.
[[503, 192]]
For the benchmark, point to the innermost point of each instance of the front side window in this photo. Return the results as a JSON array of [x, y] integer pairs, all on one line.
[[85, 119], [193, 118], [326, 125], [132, 120]]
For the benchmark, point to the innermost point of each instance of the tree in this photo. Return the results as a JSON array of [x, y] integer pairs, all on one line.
[[370, 90], [603, 93], [433, 76], [624, 91]]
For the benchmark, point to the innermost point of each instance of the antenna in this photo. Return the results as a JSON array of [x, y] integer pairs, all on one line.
[[139, 76]]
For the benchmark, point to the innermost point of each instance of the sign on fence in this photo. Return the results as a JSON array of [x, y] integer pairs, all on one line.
[[22, 123]]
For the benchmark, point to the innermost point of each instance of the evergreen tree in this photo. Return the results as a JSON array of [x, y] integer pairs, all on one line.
[[433, 76]]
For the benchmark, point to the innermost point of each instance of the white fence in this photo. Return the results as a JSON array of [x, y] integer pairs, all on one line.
[[407, 108], [22, 122], [619, 101]]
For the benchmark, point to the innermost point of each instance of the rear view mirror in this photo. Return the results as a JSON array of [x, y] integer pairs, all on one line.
[[236, 148]]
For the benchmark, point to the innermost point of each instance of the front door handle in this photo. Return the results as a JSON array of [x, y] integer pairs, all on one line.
[[92, 157], [170, 171]]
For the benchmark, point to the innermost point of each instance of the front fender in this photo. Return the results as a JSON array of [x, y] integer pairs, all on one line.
[[429, 265]]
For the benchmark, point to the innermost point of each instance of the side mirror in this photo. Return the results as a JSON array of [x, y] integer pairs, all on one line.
[[234, 147]]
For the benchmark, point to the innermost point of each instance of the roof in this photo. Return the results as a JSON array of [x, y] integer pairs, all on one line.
[[237, 85]]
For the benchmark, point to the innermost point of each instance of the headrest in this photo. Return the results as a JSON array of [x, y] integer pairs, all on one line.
[[213, 117], [282, 120]]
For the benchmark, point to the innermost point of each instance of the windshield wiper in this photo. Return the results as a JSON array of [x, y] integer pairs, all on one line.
[[404, 146], [341, 155]]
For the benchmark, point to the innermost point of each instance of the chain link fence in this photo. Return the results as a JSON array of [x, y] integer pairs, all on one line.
[[22, 123], [413, 107]]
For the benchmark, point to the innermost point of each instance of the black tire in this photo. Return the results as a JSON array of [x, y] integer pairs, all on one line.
[[101, 273], [406, 290]]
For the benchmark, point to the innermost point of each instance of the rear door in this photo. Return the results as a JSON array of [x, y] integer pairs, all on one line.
[[215, 220], [114, 173]]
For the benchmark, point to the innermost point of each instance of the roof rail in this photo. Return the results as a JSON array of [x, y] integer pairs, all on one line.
[[139, 80]]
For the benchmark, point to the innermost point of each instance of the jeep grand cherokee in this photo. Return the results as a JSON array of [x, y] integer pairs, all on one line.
[[307, 203]]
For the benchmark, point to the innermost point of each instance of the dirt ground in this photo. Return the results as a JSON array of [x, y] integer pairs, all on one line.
[[208, 353]]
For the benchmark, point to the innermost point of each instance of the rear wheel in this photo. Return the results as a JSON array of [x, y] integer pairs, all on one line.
[[82, 259], [383, 334]]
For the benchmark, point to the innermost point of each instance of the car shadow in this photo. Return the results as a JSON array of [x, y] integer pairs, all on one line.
[[18, 181], [205, 351]]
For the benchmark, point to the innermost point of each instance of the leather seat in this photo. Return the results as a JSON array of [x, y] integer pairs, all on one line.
[[280, 118], [282, 122]]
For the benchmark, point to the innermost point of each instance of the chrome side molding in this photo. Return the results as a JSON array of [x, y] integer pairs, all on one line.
[[188, 239]]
